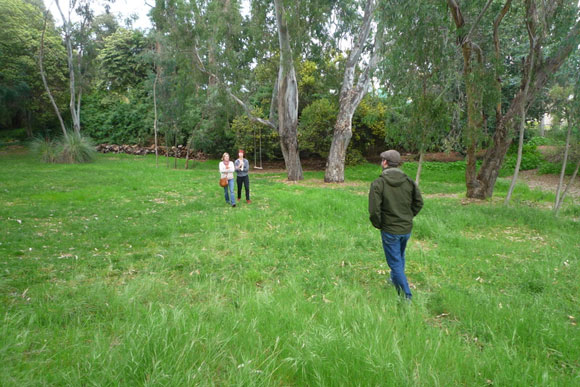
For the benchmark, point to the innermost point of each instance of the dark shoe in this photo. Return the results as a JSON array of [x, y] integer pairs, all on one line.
[[248, 201], [233, 205]]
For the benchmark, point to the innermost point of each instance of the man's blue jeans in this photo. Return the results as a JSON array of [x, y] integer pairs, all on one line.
[[394, 246], [230, 198]]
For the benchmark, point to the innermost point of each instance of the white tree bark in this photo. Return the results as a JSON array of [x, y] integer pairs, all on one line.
[[351, 96], [420, 166], [67, 28], [523, 117], [155, 116], [43, 76], [558, 201], [559, 204], [287, 99]]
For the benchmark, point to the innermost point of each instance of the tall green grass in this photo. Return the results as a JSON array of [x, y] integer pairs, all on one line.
[[119, 273]]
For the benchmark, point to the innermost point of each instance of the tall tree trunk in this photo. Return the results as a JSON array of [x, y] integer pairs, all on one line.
[[564, 162], [474, 123], [29, 133], [67, 26], [287, 100], [472, 91], [340, 139], [350, 97], [523, 117], [557, 207], [155, 116], [420, 166], [502, 138], [43, 76]]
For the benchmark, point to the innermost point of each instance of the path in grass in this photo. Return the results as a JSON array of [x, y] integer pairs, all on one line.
[[118, 272]]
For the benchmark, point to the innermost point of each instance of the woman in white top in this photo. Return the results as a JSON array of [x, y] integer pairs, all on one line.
[[227, 171]]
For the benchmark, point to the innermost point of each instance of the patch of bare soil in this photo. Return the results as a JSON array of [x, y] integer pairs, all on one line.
[[438, 156], [548, 182]]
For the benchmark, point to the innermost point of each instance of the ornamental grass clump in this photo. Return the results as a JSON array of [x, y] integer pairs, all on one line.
[[72, 149], [46, 149], [76, 148]]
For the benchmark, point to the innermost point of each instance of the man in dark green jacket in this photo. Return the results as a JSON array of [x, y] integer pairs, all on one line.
[[394, 200]]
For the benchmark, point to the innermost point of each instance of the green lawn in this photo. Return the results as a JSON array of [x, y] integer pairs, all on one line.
[[120, 273]]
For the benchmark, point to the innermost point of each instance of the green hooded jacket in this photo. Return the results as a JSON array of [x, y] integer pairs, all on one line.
[[394, 199]]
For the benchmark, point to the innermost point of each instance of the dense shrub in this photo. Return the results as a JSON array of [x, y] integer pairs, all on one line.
[[531, 158], [12, 135], [108, 117], [548, 168], [316, 126]]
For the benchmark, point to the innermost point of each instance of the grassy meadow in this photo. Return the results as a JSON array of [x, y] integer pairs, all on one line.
[[120, 273]]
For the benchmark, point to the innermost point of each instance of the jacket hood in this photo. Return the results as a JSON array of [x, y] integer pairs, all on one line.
[[394, 176]]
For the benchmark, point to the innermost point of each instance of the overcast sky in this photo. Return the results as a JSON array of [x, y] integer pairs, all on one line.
[[125, 8]]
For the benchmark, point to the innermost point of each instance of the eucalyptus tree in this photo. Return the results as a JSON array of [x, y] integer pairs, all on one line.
[[196, 44], [76, 39], [227, 46], [351, 94], [419, 75], [553, 26]]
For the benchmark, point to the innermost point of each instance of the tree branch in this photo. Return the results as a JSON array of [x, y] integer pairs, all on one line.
[[363, 33], [251, 116], [43, 76], [456, 13], [496, 24], [364, 78], [545, 69], [274, 102], [477, 20]]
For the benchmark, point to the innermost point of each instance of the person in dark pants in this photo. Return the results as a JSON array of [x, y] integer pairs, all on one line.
[[394, 200], [242, 170]]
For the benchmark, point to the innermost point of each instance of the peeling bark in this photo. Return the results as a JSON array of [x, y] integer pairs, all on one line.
[[350, 97], [287, 100]]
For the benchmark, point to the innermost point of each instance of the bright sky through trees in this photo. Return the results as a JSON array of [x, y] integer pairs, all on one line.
[[125, 8]]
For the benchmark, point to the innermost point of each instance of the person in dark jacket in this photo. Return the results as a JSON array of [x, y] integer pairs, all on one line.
[[394, 200], [242, 171]]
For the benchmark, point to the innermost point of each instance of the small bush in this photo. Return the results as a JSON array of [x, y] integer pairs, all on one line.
[[77, 148], [46, 149], [548, 168], [354, 157]]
